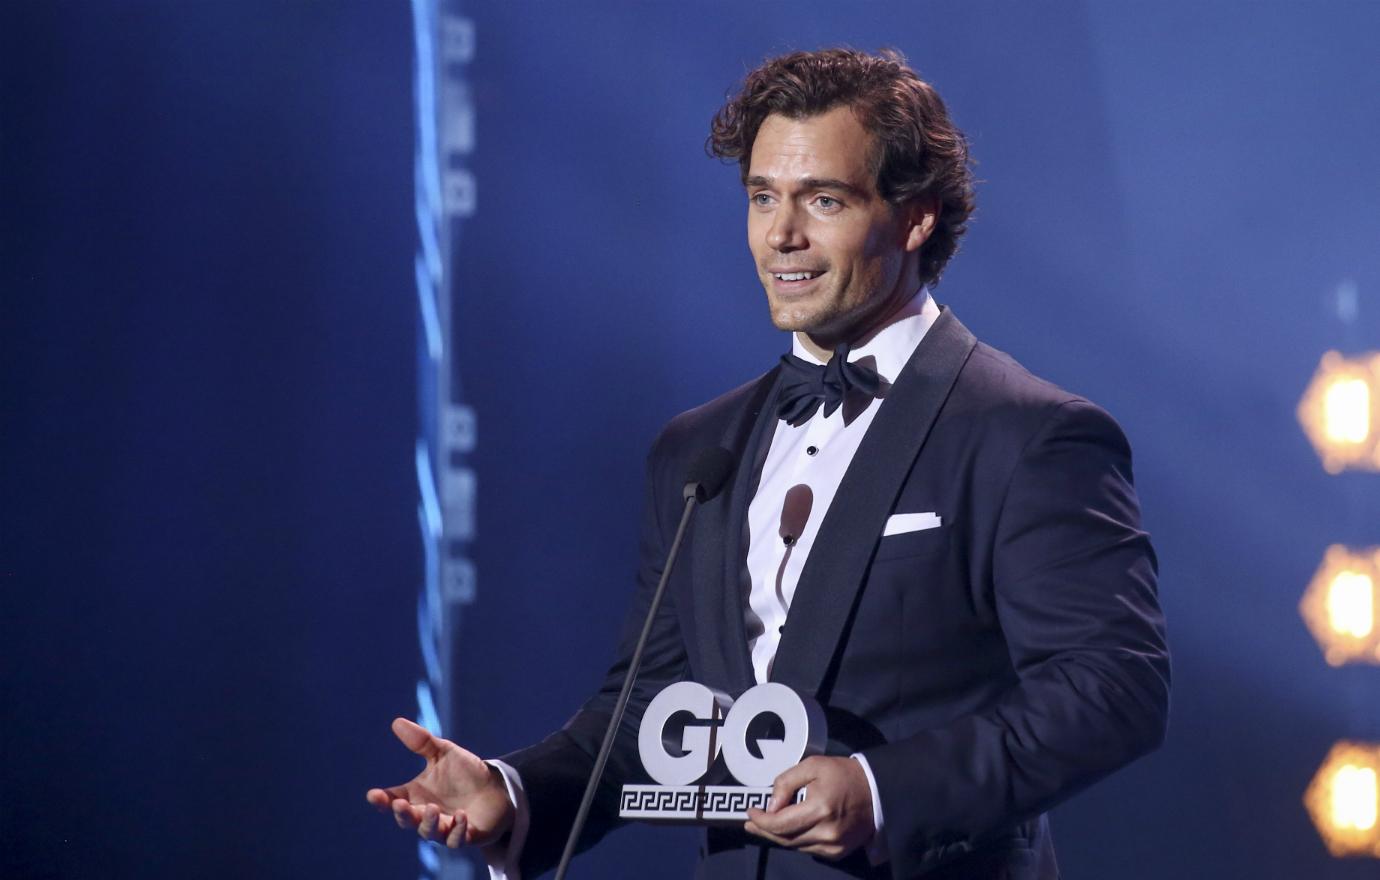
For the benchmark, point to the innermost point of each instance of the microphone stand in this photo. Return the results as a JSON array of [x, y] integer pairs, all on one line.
[[693, 492]]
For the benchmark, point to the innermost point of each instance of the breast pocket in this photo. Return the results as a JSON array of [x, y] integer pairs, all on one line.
[[915, 543]]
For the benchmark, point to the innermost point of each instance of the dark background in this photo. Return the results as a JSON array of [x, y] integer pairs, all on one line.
[[210, 553]]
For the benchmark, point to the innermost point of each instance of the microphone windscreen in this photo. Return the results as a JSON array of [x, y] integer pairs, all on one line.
[[708, 472]]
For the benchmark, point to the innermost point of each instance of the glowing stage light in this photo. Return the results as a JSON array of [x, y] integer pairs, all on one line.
[[1338, 412], [1344, 800], [1339, 606]]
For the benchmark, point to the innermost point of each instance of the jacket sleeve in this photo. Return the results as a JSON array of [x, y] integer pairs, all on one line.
[[555, 771], [1073, 582]]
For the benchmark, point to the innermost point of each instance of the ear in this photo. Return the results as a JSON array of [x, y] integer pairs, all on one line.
[[920, 222]]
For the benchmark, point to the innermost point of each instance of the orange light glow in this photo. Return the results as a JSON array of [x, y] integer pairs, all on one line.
[[1344, 800], [1338, 412], [1339, 606]]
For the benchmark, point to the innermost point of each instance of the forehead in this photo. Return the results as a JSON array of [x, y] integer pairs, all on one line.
[[833, 144]]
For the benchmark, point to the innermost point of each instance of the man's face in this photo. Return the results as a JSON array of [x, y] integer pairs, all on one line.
[[834, 256]]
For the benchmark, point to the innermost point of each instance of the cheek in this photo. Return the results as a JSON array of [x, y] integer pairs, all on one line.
[[881, 242], [758, 227], [869, 247], [882, 257]]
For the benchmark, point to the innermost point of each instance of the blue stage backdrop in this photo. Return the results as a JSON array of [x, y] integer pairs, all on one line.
[[211, 557]]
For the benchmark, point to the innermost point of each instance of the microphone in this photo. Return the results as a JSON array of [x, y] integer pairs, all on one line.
[[708, 472]]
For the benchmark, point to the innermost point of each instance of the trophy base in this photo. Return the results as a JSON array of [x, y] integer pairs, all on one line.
[[691, 804]]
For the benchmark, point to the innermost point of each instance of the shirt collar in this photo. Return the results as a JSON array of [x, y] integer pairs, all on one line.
[[892, 345]]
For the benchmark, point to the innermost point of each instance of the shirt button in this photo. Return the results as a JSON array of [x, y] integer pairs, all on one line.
[[781, 629], [788, 540], [811, 450]]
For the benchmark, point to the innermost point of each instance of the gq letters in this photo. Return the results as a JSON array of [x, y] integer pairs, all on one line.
[[687, 728]]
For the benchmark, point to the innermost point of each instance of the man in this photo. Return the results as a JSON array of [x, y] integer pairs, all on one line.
[[941, 548]]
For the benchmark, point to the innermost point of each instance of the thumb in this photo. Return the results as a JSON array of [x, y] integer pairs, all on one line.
[[784, 787], [417, 738]]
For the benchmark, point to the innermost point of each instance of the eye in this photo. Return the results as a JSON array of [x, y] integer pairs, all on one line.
[[760, 199], [828, 203]]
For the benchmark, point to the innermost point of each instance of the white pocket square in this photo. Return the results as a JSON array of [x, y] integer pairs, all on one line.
[[900, 523]]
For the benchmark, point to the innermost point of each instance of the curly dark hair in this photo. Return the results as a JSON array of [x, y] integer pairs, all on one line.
[[921, 153]]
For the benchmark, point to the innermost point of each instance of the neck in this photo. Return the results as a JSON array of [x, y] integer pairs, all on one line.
[[822, 345]]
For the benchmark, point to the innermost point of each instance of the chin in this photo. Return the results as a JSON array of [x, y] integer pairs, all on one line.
[[793, 316], [786, 318]]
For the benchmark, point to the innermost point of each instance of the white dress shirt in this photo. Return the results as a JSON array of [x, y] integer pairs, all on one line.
[[801, 474], [803, 469]]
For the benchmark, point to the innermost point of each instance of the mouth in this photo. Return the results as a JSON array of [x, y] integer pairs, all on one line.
[[792, 282]]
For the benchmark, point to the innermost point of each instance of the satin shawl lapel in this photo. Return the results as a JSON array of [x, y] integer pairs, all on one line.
[[834, 572], [718, 551]]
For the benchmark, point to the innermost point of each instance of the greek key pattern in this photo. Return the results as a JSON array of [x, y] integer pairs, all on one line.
[[691, 803]]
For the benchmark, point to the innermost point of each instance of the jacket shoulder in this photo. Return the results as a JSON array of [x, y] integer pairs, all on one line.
[[706, 424], [995, 382], [999, 400]]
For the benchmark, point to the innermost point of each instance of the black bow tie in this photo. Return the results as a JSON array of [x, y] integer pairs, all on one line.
[[804, 386]]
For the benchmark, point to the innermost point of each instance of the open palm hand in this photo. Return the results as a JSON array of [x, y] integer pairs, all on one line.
[[457, 798]]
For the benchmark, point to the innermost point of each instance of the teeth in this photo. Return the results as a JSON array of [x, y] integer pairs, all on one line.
[[794, 276]]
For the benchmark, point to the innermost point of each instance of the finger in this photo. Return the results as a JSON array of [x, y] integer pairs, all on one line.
[[417, 738], [789, 822], [402, 813], [426, 829], [456, 838], [753, 828], [383, 797], [785, 786], [378, 798], [813, 840]]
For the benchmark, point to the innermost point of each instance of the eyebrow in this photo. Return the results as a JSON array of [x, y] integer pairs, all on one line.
[[811, 183]]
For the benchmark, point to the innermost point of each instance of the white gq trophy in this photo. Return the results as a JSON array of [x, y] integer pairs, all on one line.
[[768, 730]]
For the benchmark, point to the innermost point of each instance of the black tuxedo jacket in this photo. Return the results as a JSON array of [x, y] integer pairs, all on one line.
[[987, 668]]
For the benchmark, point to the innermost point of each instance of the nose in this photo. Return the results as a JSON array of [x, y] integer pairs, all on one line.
[[786, 233]]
